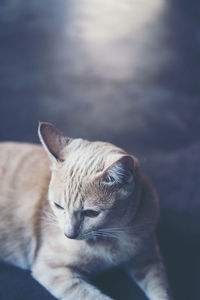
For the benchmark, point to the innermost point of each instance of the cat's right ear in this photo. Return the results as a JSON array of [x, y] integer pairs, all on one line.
[[53, 140]]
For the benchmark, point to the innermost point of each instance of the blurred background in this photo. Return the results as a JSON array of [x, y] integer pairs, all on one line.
[[123, 71]]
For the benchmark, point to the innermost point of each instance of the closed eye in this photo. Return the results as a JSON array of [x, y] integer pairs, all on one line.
[[58, 206], [90, 213]]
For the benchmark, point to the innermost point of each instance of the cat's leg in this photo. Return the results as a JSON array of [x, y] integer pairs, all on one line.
[[149, 273], [64, 282]]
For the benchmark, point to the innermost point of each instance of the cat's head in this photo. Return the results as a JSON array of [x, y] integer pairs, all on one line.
[[92, 187]]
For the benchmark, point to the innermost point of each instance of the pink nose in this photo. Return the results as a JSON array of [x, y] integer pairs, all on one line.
[[71, 233]]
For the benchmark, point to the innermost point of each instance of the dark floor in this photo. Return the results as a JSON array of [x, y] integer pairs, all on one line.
[[120, 71]]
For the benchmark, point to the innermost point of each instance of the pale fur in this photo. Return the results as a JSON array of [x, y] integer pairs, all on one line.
[[32, 228]]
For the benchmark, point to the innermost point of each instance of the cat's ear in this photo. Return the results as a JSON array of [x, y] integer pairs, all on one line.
[[52, 139], [120, 172]]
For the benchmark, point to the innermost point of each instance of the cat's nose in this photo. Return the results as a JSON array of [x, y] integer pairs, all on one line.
[[71, 233]]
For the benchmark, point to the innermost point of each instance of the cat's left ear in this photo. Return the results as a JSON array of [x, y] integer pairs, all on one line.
[[53, 140], [120, 172]]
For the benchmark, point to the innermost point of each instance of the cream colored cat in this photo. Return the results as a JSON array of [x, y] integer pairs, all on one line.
[[85, 208]]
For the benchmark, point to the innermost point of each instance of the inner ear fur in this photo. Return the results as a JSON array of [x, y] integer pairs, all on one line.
[[120, 171], [53, 140]]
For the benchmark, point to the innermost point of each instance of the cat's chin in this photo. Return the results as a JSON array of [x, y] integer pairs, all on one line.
[[89, 238]]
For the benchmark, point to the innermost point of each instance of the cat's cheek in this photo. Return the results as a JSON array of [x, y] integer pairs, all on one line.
[[60, 219], [86, 226], [61, 225], [91, 224]]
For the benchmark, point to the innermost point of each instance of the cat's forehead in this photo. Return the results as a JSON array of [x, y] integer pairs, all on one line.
[[90, 157]]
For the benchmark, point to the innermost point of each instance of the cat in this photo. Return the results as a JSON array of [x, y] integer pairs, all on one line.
[[73, 208]]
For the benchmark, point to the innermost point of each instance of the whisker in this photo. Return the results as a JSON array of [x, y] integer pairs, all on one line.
[[116, 231], [104, 234]]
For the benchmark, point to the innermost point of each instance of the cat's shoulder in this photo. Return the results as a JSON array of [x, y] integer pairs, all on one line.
[[17, 155], [18, 145], [18, 148]]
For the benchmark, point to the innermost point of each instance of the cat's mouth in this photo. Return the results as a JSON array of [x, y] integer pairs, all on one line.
[[89, 237], [96, 235]]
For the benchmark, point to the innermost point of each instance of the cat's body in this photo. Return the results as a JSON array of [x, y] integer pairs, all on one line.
[[24, 178], [98, 197]]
